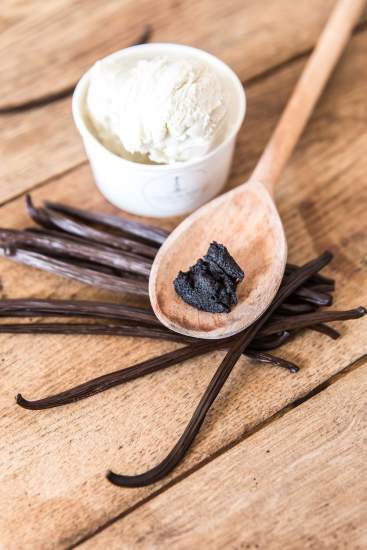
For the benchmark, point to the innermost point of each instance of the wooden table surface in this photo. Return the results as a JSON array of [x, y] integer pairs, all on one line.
[[281, 460]]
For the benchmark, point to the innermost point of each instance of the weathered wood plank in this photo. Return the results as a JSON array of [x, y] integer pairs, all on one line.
[[14, 11], [298, 483], [52, 463], [47, 51], [36, 145]]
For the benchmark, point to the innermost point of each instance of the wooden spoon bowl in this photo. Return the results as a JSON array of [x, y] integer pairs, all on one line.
[[246, 221]]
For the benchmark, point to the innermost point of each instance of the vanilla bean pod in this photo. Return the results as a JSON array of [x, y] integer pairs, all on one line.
[[308, 293], [98, 268], [70, 270], [113, 379], [267, 343], [69, 225], [324, 288], [62, 245], [272, 360], [325, 329], [77, 308], [38, 230], [308, 319], [94, 329], [289, 308], [313, 296], [147, 232], [110, 380], [37, 214], [294, 281], [317, 278], [51, 219]]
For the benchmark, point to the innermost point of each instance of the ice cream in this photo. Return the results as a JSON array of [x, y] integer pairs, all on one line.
[[159, 110]]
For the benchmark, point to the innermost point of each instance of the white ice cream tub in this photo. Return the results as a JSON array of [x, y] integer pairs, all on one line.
[[161, 190]]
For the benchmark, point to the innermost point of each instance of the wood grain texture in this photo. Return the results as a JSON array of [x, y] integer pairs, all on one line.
[[53, 463], [298, 483], [321, 63], [47, 52], [35, 146], [56, 45], [251, 36], [15, 11]]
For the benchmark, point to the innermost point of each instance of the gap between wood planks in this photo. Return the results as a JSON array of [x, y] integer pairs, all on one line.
[[45, 182], [362, 27], [53, 97], [345, 371]]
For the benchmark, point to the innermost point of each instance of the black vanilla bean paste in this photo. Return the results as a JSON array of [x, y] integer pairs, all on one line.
[[112, 252], [210, 285]]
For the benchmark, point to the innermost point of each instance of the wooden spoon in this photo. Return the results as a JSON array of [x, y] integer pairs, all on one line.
[[246, 219]]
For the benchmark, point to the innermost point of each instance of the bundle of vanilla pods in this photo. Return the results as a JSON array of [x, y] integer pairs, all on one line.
[[116, 254]]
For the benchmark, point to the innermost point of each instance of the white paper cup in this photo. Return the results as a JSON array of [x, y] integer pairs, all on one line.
[[169, 189]]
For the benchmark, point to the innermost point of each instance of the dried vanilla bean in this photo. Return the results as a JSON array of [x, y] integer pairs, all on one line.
[[324, 288], [62, 245], [86, 275], [113, 379], [94, 329], [308, 319], [317, 278], [147, 232], [288, 308], [37, 214], [272, 360], [51, 219], [313, 296], [77, 308], [267, 343], [325, 329], [110, 380]]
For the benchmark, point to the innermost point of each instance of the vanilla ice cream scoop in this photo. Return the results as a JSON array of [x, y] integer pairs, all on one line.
[[159, 110]]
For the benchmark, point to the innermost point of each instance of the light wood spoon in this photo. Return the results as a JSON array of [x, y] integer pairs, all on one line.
[[246, 219]]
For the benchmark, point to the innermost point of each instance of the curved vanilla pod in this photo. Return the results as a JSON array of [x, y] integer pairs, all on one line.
[[107, 381], [294, 281]]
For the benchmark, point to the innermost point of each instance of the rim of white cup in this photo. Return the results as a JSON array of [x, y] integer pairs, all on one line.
[[202, 54]]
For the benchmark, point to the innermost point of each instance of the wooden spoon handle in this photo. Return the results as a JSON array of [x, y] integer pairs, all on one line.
[[307, 91]]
